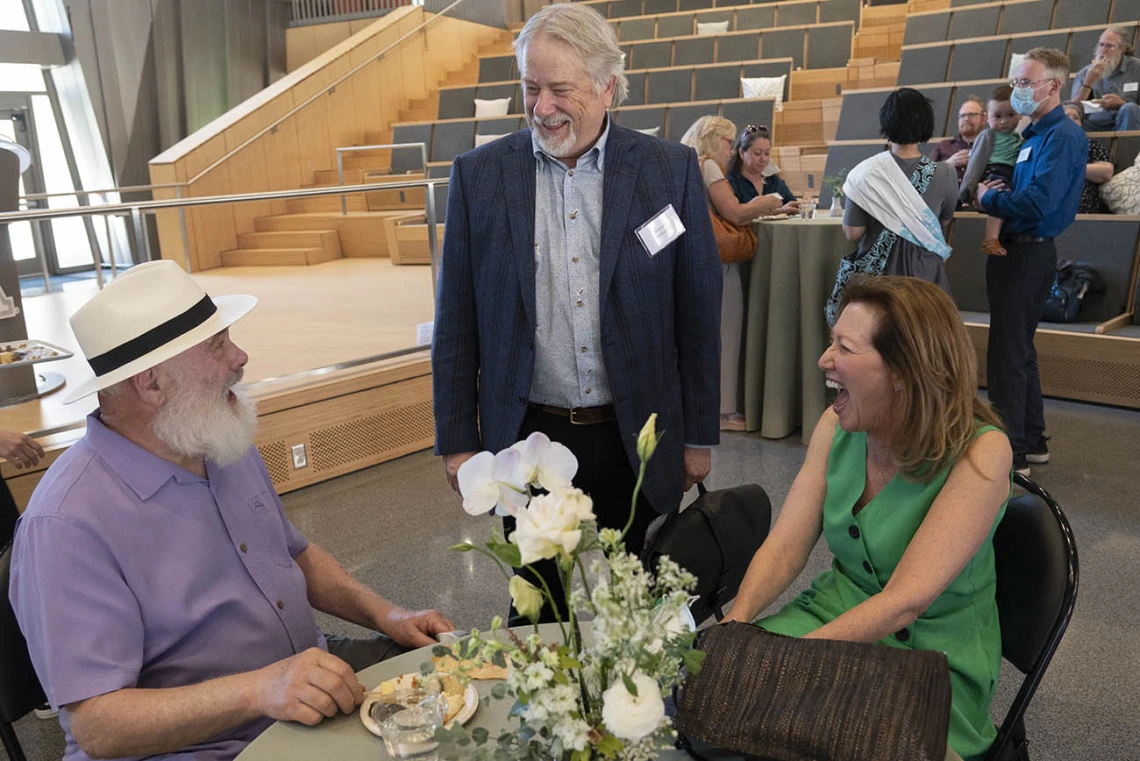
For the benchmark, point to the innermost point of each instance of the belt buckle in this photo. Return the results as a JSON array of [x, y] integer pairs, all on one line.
[[573, 419]]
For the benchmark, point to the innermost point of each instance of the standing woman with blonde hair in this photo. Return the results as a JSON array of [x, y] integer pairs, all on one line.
[[711, 137]]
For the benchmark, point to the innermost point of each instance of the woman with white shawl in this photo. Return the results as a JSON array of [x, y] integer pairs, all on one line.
[[899, 203]]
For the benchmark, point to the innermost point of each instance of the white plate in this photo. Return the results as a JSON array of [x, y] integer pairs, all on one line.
[[470, 703]]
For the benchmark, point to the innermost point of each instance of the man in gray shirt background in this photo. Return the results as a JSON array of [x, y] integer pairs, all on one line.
[[1113, 81]]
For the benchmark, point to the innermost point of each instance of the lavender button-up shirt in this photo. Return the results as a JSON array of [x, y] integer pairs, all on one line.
[[128, 571]]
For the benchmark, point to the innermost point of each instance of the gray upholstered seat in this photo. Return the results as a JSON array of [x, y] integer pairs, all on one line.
[[449, 139], [675, 26], [1081, 13], [499, 68], [651, 55], [669, 86], [694, 50], [717, 82], [636, 88], [660, 6], [784, 43], [985, 59], [1043, 39], [743, 112], [742, 46], [680, 118], [795, 14], [859, 115], [1025, 17], [922, 65], [840, 10], [974, 22], [625, 8], [939, 96], [637, 29], [756, 17], [926, 27], [828, 47], [841, 158], [1125, 11], [456, 103], [409, 159], [645, 117]]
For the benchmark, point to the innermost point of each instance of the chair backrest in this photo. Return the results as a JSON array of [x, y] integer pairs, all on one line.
[[1036, 560], [20, 689], [714, 539]]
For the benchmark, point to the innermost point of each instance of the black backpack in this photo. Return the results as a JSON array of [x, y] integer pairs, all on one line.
[[1074, 282], [714, 539]]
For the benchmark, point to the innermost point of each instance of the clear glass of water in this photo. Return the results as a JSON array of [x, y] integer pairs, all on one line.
[[807, 208], [409, 718]]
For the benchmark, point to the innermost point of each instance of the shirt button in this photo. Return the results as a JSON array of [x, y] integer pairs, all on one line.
[[579, 303], [574, 259], [522, 401], [902, 635], [866, 566], [574, 214], [854, 532], [242, 547], [571, 173], [281, 604], [587, 391], [583, 349]]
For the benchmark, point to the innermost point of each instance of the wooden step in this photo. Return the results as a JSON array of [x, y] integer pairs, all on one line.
[[408, 240], [361, 233], [353, 201], [328, 240], [275, 257], [365, 161], [329, 176]]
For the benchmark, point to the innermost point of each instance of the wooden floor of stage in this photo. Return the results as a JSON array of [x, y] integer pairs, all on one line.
[[306, 318]]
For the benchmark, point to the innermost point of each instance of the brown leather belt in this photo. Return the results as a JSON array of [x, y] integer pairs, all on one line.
[[581, 415]]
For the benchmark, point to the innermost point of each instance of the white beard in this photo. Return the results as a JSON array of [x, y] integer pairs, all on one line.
[[202, 423], [561, 148]]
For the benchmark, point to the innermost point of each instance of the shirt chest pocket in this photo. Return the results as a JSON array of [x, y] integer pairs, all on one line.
[[275, 545]]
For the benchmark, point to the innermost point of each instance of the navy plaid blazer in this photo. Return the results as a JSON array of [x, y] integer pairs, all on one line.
[[660, 316]]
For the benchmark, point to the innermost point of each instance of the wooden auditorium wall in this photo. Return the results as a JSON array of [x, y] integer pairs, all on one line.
[[285, 158]]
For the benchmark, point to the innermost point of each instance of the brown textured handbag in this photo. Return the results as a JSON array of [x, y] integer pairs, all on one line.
[[790, 699], [735, 244]]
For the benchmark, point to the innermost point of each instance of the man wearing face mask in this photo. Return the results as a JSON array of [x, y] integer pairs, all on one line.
[[1047, 182], [1112, 81]]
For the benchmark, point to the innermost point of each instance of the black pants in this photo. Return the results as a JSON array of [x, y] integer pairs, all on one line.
[[9, 514], [605, 474], [1017, 286]]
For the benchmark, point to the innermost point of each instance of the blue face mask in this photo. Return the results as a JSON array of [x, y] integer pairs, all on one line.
[[1022, 101]]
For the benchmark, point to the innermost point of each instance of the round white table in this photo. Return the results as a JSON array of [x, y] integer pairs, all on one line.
[[344, 737]]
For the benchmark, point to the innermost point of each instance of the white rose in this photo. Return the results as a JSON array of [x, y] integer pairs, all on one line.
[[546, 528], [631, 717], [577, 501]]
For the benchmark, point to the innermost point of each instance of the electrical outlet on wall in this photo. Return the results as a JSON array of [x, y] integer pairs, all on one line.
[[300, 460]]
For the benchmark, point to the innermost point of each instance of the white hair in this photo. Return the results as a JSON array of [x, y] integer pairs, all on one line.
[[199, 421], [586, 33]]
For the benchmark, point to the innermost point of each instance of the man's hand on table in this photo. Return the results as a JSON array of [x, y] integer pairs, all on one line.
[[307, 688], [20, 449], [415, 628]]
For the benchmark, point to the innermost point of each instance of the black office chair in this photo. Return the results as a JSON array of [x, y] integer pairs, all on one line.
[[1036, 560], [714, 539], [20, 689]]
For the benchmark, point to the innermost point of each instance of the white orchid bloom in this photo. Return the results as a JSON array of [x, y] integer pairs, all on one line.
[[490, 482], [546, 463]]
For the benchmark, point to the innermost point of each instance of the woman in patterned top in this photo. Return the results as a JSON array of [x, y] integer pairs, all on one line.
[[1098, 171]]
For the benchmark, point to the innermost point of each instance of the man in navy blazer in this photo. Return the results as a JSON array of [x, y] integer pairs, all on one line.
[[552, 314]]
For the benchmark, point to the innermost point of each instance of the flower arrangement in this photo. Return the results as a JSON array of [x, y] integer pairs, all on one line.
[[834, 183], [576, 699]]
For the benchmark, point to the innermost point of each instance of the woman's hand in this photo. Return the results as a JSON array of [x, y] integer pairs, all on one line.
[[791, 207]]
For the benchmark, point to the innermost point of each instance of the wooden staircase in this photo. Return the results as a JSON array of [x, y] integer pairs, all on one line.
[[313, 230]]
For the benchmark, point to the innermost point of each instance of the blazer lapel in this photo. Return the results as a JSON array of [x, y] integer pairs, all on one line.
[[518, 187], [621, 169]]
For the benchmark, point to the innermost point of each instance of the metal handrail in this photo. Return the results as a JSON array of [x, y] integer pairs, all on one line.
[[354, 148], [124, 189], [328, 89]]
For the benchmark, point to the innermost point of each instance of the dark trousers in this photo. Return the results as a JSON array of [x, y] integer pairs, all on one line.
[[605, 474], [1017, 286]]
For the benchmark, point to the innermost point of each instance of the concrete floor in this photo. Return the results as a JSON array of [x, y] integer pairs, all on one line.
[[391, 525]]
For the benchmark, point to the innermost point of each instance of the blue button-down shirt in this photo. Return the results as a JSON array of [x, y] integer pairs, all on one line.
[[129, 571], [1047, 180], [568, 368]]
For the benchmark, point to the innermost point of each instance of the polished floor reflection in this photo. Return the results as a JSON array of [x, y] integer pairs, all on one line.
[[391, 525]]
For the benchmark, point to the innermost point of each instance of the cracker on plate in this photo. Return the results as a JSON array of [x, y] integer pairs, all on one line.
[[471, 668]]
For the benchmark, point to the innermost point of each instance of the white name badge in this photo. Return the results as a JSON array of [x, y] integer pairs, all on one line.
[[1131, 86], [663, 228], [1024, 155]]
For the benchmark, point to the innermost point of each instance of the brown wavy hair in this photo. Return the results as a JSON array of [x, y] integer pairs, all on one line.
[[924, 344]]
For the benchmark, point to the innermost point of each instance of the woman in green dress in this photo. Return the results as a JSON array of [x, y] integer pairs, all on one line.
[[907, 475]]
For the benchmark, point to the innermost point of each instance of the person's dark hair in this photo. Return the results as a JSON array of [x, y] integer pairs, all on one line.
[[906, 117], [1001, 93], [744, 140]]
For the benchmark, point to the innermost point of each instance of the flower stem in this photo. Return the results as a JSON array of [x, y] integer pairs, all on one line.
[[633, 500], [550, 597], [498, 562]]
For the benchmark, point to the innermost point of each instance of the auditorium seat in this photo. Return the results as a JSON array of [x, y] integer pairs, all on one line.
[[1069, 13], [499, 68], [978, 60], [1026, 17], [409, 159], [974, 22]]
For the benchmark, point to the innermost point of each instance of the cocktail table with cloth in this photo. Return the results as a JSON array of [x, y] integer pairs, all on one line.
[[344, 737], [787, 287]]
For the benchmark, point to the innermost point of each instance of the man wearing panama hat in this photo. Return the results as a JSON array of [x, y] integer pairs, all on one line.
[[164, 595]]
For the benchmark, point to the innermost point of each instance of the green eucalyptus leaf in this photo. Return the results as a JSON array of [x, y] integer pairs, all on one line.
[[480, 735], [440, 650], [499, 691], [629, 685]]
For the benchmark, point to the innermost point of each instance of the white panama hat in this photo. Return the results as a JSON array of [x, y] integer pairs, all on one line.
[[153, 312]]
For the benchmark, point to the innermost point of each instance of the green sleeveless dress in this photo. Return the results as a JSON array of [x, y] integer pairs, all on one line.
[[962, 622]]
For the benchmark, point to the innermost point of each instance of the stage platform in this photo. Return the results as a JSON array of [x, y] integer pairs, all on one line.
[[306, 318]]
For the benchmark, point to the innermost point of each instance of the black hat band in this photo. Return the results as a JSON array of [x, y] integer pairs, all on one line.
[[158, 336]]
